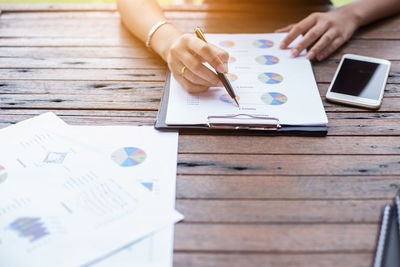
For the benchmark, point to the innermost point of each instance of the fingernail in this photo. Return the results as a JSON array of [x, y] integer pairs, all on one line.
[[220, 68], [282, 46], [310, 55], [294, 52], [226, 68]]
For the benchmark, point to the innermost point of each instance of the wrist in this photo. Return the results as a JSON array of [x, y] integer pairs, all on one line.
[[163, 39], [354, 13]]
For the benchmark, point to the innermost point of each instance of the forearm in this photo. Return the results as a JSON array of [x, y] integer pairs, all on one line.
[[140, 15], [367, 11]]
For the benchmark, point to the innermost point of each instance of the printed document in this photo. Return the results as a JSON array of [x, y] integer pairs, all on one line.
[[267, 80], [64, 205]]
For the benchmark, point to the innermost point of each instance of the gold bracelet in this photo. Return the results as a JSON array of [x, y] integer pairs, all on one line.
[[153, 31]]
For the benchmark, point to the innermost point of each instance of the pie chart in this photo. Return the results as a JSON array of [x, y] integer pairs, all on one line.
[[3, 174], [227, 99], [263, 43], [128, 156], [148, 185], [227, 44], [274, 98], [232, 77], [270, 78], [267, 60]]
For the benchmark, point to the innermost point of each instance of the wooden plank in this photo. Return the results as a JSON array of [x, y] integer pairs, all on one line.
[[83, 117], [206, 164], [81, 63], [139, 51], [128, 41], [248, 6], [256, 23], [286, 187], [77, 93], [182, 259], [125, 101], [388, 105], [283, 238], [230, 23], [76, 15], [281, 211], [153, 75], [106, 88], [324, 71], [278, 145], [379, 48], [384, 29], [57, 7], [384, 124], [274, 13], [340, 124], [128, 101]]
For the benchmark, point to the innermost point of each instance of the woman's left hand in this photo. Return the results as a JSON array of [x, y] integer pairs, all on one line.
[[327, 31]]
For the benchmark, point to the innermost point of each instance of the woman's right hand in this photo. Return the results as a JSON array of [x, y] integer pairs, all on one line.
[[189, 51]]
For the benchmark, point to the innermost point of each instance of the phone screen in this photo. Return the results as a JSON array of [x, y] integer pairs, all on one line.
[[360, 78]]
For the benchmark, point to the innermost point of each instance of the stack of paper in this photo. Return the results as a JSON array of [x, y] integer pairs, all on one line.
[[72, 196]]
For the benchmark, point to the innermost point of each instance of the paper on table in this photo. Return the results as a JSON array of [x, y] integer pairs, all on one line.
[[95, 209], [157, 172], [268, 81]]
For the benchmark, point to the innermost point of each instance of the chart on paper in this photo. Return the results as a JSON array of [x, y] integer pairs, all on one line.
[[266, 79]]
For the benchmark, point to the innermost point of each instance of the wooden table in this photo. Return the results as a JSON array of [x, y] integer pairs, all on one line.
[[268, 201]]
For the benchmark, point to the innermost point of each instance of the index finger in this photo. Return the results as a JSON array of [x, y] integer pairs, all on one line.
[[298, 29], [213, 55]]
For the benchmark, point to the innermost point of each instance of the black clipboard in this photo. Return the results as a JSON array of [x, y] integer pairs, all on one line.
[[274, 128]]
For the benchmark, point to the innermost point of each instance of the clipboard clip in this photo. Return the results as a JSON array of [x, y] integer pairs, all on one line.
[[244, 122]]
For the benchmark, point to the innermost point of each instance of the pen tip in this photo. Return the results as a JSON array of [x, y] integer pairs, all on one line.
[[237, 103]]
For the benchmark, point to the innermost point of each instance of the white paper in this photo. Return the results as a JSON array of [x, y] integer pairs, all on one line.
[[268, 81], [85, 205], [157, 173]]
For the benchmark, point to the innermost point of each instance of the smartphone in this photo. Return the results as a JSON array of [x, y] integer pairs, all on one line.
[[359, 81]]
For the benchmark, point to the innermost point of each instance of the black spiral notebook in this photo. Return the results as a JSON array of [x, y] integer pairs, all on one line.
[[388, 246]]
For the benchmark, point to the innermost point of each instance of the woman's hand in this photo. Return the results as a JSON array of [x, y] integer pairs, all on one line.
[[191, 52], [323, 32]]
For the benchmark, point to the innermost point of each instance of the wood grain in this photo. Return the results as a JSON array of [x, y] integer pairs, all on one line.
[[280, 211], [250, 164], [294, 187], [182, 259], [281, 145], [275, 238], [264, 201]]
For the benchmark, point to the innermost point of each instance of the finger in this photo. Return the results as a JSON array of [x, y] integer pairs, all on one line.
[[189, 86], [222, 54], [210, 54], [176, 68], [311, 36], [195, 79], [298, 29], [322, 43], [285, 29], [196, 67], [331, 48]]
